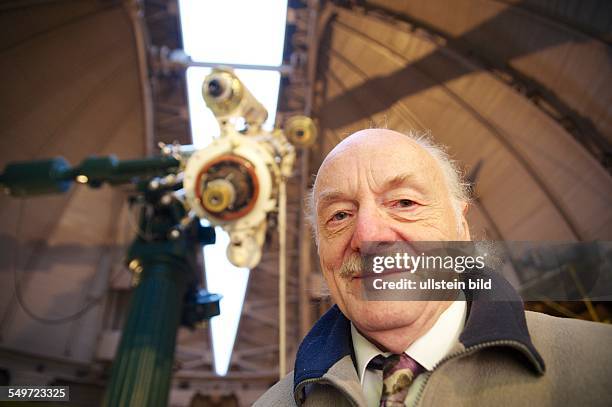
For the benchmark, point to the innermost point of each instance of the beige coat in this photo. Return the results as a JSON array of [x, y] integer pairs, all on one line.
[[577, 371]]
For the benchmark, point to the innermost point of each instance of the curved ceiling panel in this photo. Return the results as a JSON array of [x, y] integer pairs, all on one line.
[[594, 17], [536, 181], [71, 88], [540, 45]]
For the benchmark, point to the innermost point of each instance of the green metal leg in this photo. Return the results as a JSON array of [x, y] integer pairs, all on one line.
[[142, 369]]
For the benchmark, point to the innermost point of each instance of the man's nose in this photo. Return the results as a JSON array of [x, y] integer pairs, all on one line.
[[371, 226]]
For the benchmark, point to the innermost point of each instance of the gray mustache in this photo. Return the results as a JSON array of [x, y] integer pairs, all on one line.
[[351, 267]]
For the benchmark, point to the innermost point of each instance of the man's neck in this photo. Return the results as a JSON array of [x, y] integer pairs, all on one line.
[[397, 340]]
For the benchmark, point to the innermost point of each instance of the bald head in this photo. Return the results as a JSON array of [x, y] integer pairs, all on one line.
[[367, 140]]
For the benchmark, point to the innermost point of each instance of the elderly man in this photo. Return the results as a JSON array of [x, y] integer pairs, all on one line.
[[380, 185]]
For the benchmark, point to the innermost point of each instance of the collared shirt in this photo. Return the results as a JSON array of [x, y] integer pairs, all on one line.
[[428, 350]]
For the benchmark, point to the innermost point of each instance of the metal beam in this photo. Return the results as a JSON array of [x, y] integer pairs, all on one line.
[[283, 69]]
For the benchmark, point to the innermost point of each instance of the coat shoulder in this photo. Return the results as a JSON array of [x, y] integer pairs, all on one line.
[[571, 340], [549, 327], [279, 395]]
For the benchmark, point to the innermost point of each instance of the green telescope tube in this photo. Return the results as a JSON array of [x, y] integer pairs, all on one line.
[[54, 175], [28, 178]]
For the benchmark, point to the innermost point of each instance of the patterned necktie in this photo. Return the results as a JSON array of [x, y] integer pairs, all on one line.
[[399, 371]]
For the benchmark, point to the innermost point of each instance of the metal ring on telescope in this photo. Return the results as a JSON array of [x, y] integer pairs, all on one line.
[[241, 174]]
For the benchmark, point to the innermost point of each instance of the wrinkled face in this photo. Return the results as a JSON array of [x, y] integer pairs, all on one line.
[[379, 185]]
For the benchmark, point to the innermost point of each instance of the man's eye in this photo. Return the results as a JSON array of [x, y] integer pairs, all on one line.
[[339, 216], [405, 203]]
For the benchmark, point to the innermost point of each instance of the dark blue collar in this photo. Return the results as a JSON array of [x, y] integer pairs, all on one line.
[[328, 341], [502, 319]]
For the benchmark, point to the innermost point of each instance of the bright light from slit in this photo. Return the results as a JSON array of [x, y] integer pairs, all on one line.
[[230, 281]]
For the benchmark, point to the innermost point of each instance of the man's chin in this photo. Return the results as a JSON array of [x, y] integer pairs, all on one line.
[[374, 316]]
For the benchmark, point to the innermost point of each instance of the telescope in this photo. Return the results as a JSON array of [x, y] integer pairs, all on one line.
[[235, 183]]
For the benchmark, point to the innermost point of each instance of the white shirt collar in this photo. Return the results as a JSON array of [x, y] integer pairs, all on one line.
[[428, 350]]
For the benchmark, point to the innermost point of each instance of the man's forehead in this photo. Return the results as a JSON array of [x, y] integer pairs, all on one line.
[[381, 138], [384, 154]]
